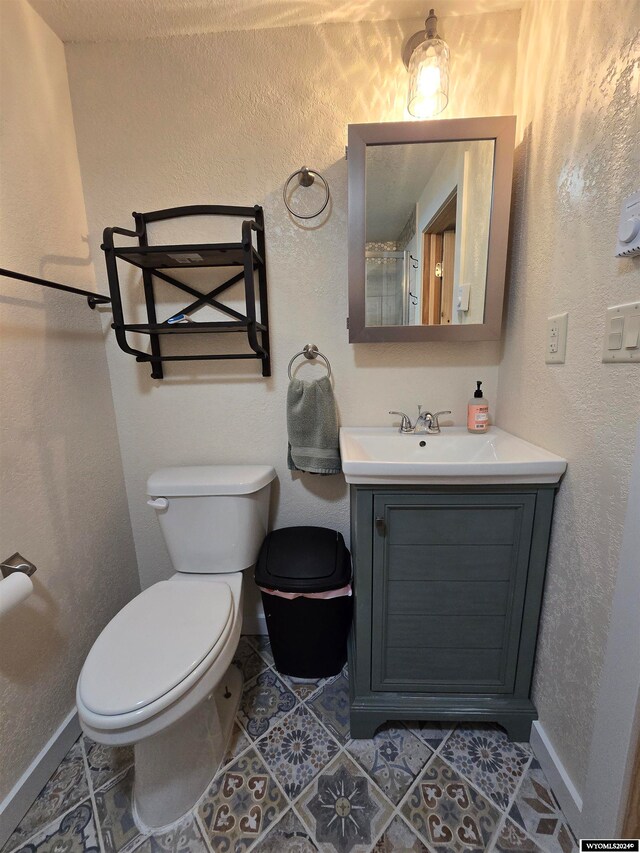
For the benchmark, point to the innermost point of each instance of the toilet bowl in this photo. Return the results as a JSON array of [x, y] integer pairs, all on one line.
[[159, 676]]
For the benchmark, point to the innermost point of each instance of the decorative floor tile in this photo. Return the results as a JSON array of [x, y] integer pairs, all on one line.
[[291, 741], [262, 644], [448, 814], [296, 750], [431, 733], [536, 810], [513, 840], [248, 660], [486, 756], [183, 838], [344, 809], [67, 786], [303, 688], [264, 702], [287, 836], [398, 837], [237, 744], [331, 706], [115, 814], [106, 762], [393, 758], [241, 804], [75, 832]]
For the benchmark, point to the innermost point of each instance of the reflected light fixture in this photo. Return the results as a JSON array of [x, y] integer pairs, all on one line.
[[426, 56]]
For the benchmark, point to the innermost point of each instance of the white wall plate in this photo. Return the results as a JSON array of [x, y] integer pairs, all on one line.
[[622, 333], [556, 344]]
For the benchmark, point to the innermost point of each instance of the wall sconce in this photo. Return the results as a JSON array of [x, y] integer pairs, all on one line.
[[426, 56]]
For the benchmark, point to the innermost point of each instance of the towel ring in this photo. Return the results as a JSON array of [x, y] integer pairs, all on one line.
[[305, 179], [310, 351]]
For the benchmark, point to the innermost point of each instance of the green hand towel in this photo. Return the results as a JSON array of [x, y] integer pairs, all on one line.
[[312, 424]]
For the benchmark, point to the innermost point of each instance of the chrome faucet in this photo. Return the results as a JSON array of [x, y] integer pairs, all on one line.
[[423, 422], [405, 425], [426, 422]]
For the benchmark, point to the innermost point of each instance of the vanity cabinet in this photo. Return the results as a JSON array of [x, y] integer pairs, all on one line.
[[448, 589]]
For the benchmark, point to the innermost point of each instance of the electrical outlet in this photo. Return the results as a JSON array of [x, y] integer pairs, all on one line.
[[556, 339]]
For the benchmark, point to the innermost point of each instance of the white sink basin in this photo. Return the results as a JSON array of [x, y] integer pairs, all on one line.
[[385, 456]]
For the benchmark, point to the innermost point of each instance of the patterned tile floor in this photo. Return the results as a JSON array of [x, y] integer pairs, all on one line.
[[293, 781]]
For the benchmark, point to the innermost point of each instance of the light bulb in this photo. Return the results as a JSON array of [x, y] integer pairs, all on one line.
[[429, 74]]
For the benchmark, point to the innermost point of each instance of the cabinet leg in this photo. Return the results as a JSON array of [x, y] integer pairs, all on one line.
[[518, 727], [364, 724]]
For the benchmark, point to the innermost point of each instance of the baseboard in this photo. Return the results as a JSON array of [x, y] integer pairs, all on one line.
[[555, 771], [24, 792]]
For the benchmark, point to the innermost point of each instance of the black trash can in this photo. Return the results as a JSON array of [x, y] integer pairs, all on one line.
[[308, 635]]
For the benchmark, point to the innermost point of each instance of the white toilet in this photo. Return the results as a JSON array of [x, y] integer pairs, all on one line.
[[159, 676]]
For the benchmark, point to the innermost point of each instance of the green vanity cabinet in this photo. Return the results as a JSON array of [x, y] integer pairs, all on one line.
[[448, 589]]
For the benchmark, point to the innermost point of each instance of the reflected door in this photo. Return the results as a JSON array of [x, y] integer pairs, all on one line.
[[438, 274]]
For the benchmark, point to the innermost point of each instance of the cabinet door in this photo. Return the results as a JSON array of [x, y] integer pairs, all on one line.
[[449, 580]]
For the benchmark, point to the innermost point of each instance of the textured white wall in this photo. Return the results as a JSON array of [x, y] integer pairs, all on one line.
[[62, 498], [578, 73], [225, 118], [616, 726]]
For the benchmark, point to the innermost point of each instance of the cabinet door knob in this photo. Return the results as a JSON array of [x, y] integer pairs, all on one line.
[[381, 527]]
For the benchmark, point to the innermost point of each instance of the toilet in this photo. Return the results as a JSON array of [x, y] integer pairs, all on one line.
[[159, 676]]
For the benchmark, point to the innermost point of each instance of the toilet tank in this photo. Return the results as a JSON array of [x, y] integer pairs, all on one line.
[[213, 517]]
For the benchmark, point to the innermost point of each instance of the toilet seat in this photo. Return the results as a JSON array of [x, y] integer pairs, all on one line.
[[154, 650]]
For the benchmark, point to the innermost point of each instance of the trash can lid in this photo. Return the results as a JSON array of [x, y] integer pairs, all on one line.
[[303, 559]]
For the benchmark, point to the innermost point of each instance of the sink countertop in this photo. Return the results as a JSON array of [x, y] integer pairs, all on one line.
[[383, 455]]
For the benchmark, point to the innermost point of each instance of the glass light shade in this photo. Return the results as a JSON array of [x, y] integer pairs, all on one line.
[[429, 78]]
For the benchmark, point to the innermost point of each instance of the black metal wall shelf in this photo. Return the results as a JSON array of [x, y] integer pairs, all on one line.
[[177, 257], [190, 328], [153, 259]]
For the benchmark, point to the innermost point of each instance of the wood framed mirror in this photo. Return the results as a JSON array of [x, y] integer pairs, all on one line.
[[428, 228]]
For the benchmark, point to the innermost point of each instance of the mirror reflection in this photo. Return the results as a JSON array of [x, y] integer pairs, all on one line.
[[428, 209]]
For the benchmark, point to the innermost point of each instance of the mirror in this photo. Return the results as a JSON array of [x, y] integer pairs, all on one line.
[[428, 222], [427, 232]]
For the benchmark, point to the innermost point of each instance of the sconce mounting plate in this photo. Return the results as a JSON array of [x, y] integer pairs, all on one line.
[[411, 45]]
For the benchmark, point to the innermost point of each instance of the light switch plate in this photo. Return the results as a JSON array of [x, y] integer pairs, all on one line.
[[622, 333], [556, 338], [462, 297]]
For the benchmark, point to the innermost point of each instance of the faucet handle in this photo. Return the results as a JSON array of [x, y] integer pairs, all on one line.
[[405, 425], [435, 423]]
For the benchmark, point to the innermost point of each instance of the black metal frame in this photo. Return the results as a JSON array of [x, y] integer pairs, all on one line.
[[243, 254], [93, 299]]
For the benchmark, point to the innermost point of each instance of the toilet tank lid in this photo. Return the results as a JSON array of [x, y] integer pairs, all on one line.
[[199, 480]]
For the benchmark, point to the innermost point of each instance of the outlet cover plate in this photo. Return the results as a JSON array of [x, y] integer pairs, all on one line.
[[556, 343]]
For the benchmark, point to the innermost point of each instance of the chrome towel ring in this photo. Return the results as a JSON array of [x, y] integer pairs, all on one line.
[[306, 177], [311, 352]]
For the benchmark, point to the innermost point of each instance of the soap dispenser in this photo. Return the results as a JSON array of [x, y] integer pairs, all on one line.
[[478, 412]]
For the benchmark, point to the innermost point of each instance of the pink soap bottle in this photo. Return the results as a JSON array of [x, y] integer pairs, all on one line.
[[478, 412]]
